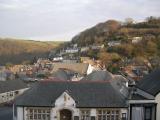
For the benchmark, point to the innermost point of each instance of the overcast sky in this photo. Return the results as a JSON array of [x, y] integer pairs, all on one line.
[[62, 19]]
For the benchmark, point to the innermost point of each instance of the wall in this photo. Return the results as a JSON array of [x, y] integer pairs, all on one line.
[[8, 96], [20, 115], [157, 99], [90, 69], [65, 101]]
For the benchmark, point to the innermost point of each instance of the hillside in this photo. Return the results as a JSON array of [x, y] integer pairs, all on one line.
[[147, 49], [17, 51]]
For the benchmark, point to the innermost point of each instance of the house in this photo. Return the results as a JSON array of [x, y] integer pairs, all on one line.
[[61, 100], [72, 50], [136, 40], [57, 59], [136, 72], [150, 85], [114, 43], [3, 76], [84, 49], [81, 68], [16, 68], [97, 47], [10, 89], [66, 75], [6, 75]]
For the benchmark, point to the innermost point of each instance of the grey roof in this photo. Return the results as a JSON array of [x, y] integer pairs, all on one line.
[[138, 97], [61, 75], [11, 85], [85, 94], [99, 76], [151, 83]]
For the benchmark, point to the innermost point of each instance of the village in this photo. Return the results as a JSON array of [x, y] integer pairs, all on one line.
[[68, 86]]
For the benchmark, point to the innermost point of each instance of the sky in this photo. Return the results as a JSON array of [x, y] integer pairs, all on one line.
[[63, 19]]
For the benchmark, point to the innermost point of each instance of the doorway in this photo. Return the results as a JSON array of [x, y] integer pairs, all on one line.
[[65, 114]]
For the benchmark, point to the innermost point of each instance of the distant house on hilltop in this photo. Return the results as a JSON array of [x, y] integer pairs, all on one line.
[[136, 40], [114, 43]]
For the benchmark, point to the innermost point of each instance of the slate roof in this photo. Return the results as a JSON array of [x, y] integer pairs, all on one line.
[[11, 85], [98, 76], [138, 97], [151, 83], [85, 94], [61, 75], [80, 68]]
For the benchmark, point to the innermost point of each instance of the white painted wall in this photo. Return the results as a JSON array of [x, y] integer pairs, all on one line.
[[20, 113], [124, 110], [6, 97], [93, 112], [61, 102], [157, 99], [90, 69]]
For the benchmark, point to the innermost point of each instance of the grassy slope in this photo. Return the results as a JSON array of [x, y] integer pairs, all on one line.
[[16, 51]]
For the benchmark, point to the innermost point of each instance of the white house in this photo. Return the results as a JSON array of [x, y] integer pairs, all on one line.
[[114, 43], [72, 50], [10, 89], [84, 49], [136, 40]]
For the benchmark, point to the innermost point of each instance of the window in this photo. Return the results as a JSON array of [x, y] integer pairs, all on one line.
[[148, 113], [85, 114], [108, 114], [124, 116], [16, 92], [38, 114]]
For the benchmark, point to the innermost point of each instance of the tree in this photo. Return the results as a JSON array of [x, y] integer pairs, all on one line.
[[129, 21], [8, 65], [151, 48], [113, 25], [109, 58]]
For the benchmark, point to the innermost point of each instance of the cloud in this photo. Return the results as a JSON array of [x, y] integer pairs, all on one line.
[[64, 18]]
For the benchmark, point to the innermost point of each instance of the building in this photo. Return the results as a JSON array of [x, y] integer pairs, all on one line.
[[114, 43], [6, 75], [84, 49], [73, 100], [72, 50], [97, 47], [81, 68], [150, 84], [136, 40], [10, 89], [3, 76], [99, 96]]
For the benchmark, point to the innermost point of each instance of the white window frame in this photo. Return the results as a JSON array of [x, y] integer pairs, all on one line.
[[107, 114], [38, 113], [85, 114]]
